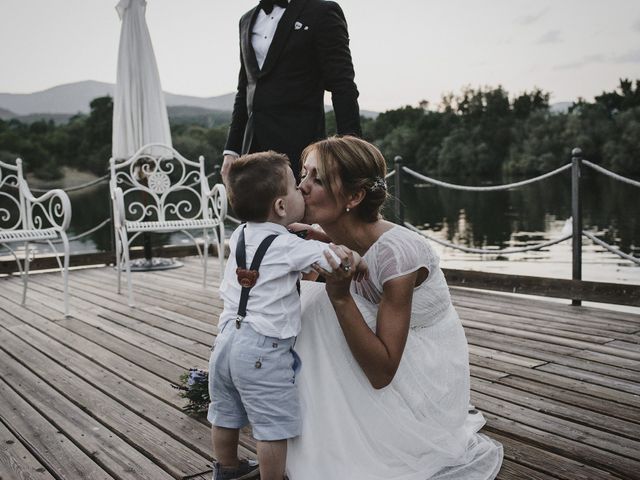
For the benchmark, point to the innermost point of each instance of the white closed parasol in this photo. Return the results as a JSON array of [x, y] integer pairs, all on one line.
[[139, 109]]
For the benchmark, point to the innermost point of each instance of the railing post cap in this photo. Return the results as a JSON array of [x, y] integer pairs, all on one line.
[[576, 152], [397, 158]]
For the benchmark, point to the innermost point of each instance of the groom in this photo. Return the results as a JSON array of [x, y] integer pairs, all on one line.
[[290, 53]]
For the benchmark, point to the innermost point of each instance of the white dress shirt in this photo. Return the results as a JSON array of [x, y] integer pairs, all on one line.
[[273, 308], [263, 30], [262, 33]]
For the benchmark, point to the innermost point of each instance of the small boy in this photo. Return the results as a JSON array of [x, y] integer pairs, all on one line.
[[253, 365]]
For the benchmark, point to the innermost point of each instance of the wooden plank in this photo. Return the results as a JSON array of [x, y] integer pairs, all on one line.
[[512, 342], [515, 471], [571, 397], [563, 446], [568, 330], [533, 350], [505, 357], [96, 293], [48, 262], [523, 325], [16, 461], [125, 370], [178, 459], [518, 346], [132, 353], [548, 463], [47, 443], [551, 339], [486, 373], [590, 377], [608, 359], [149, 286], [558, 380], [546, 313], [141, 339], [572, 412], [586, 435], [144, 379], [623, 294], [537, 304], [632, 347], [149, 344]]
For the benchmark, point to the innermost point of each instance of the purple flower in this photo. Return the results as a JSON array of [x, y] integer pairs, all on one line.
[[196, 376]]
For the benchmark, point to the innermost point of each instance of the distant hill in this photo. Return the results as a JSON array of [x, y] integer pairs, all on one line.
[[58, 118], [6, 114], [183, 115], [179, 115], [73, 98]]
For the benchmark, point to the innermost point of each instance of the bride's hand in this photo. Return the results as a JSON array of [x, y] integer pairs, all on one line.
[[338, 280]]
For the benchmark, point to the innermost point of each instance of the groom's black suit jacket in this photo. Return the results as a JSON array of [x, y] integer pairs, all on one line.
[[281, 106]]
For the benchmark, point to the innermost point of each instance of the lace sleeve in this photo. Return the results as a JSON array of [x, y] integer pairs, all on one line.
[[404, 253]]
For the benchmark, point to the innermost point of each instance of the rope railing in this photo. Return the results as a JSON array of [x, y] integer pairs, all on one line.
[[491, 188], [75, 187], [576, 208], [611, 248], [609, 173], [86, 233], [492, 251], [101, 180]]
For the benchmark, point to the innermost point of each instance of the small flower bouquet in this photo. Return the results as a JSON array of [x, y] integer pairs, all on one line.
[[194, 386]]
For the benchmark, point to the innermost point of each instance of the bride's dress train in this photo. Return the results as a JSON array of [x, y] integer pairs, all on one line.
[[417, 428]]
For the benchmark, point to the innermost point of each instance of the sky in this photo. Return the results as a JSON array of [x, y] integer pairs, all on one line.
[[404, 51]]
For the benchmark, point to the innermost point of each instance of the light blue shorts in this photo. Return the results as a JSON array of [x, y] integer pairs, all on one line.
[[252, 381]]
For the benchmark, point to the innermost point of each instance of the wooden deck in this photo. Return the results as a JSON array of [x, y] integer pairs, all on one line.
[[89, 397]]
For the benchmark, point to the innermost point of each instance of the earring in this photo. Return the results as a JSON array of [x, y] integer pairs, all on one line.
[[348, 209]]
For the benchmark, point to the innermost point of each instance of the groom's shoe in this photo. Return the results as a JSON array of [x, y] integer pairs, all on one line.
[[246, 470]]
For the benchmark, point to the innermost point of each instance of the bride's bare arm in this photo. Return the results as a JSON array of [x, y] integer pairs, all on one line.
[[378, 353]]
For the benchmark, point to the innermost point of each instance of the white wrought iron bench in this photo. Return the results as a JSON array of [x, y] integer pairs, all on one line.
[[25, 219], [158, 190]]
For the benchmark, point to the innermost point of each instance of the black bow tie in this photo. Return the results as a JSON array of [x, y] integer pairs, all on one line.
[[267, 5]]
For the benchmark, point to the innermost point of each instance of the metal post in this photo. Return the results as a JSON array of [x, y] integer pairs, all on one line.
[[576, 212], [399, 210]]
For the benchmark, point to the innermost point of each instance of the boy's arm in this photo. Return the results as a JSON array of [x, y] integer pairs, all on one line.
[[309, 232]]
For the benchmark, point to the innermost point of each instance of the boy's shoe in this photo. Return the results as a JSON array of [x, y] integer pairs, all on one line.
[[246, 470]]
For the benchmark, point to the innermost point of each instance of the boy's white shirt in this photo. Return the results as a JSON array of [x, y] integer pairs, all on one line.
[[273, 308]]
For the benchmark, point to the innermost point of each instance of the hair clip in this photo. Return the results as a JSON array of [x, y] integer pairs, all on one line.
[[378, 184]]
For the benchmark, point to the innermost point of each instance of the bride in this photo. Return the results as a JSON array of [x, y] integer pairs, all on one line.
[[384, 386]]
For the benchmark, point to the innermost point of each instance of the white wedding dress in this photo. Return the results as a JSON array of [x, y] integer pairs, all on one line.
[[417, 428]]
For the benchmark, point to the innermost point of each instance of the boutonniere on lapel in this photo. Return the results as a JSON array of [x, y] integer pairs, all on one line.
[[298, 26]]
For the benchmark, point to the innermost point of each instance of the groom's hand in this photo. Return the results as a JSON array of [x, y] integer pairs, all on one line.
[[226, 162]]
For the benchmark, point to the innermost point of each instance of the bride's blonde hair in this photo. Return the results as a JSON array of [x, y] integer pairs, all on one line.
[[348, 164]]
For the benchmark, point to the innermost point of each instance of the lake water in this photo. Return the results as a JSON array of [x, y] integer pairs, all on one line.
[[528, 216], [507, 219]]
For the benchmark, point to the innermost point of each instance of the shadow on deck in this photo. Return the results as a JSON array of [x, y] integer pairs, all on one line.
[[89, 397]]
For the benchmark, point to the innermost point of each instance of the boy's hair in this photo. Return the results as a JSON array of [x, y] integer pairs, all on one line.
[[254, 182]]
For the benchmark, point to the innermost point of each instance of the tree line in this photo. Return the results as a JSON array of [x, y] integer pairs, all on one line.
[[478, 132]]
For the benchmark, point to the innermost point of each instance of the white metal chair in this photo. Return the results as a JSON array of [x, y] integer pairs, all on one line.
[[25, 218], [159, 190]]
